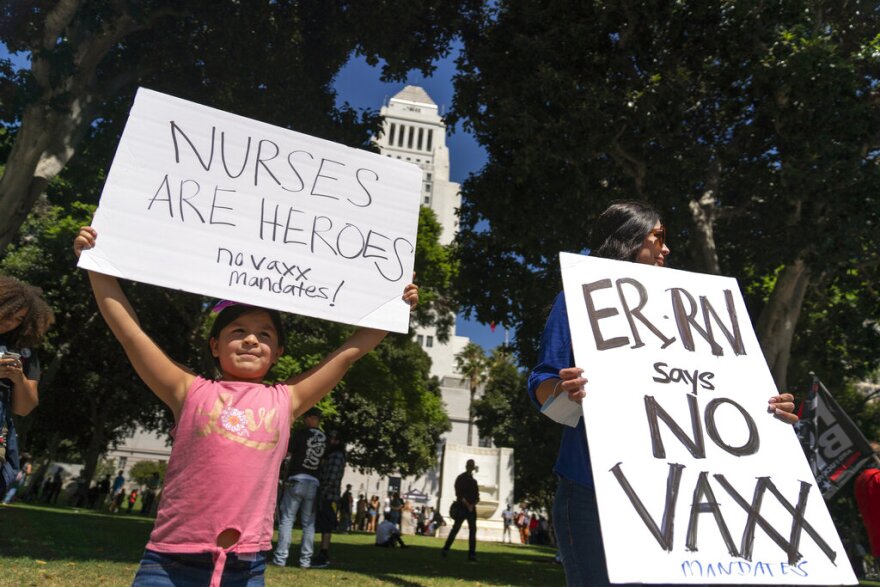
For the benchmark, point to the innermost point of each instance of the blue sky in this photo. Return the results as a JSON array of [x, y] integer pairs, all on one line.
[[360, 86]]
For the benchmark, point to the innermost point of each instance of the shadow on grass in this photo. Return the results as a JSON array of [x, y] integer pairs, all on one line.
[[54, 533], [421, 563], [68, 534]]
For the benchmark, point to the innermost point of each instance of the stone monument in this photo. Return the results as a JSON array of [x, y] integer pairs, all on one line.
[[494, 477]]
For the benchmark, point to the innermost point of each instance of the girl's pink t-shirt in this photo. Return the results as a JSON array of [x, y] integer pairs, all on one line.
[[229, 442]]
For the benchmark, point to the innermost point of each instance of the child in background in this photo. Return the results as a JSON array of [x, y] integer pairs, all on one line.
[[230, 435]]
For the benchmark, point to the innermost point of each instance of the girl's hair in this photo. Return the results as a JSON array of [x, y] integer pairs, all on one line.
[[230, 313], [621, 228], [16, 295]]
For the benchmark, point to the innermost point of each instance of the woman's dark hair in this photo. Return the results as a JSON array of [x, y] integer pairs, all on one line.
[[230, 313], [16, 295], [621, 228]]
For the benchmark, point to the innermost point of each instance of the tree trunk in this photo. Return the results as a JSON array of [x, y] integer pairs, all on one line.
[[703, 212], [776, 324], [57, 120], [36, 479], [470, 440]]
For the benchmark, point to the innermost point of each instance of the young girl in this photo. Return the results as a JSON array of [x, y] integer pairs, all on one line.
[[24, 319], [230, 435]]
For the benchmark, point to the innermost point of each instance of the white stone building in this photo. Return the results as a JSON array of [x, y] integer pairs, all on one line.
[[414, 131]]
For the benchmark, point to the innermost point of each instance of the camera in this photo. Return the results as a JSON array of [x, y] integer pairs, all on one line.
[[8, 355]]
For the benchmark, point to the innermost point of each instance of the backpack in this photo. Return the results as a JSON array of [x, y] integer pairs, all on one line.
[[520, 519]]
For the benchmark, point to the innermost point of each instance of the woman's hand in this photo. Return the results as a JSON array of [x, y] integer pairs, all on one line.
[[84, 240], [411, 295], [11, 368], [782, 407], [572, 383]]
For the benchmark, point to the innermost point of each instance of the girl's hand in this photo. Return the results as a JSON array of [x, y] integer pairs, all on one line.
[[411, 295], [571, 383], [84, 240], [782, 407]]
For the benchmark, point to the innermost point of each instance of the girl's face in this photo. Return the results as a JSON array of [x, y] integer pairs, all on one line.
[[10, 323], [247, 347], [654, 250]]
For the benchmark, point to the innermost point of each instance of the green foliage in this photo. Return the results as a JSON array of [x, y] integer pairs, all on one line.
[[435, 268], [770, 109], [142, 471], [90, 396]]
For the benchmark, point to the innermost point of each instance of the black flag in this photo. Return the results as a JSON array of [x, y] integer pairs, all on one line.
[[835, 447]]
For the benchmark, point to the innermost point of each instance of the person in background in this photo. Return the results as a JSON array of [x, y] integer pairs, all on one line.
[[507, 518], [467, 494], [388, 535], [25, 317], [301, 489], [627, 230], [867, 490], [132, 499], [360, 516], [346, 505], [332, 469], [373, 513]]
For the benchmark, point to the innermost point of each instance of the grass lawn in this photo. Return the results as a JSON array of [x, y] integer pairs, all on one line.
[[73, 548], [69, 547]]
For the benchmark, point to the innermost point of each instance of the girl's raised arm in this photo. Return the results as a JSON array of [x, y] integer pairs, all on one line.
[[309, 387], [166, 378]]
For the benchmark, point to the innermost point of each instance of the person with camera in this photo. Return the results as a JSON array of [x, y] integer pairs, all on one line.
[[467, 495], [24, 319]]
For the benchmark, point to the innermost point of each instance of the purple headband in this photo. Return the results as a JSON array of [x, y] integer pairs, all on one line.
[[223, 304]]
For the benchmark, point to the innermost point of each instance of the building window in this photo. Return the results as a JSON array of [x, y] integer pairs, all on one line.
[[430, 139], [391, 134], [401, 135], [427, 187], [420, 339], [122, 462], [429, 341], [421, 135], [409, 142], [428, 176], [428, 199]]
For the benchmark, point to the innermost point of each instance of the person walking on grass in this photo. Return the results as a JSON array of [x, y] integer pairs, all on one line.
[[467, 495]]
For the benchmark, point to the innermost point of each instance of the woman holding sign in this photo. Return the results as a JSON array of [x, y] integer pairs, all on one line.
[[230, 434], [626, 231]]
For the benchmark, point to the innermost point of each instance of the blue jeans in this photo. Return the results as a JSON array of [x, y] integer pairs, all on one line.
[[576, 522], [578, 536], [194, 570], [299, 496]]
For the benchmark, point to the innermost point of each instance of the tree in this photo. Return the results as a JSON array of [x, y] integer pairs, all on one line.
[[754, 128], [142, 471], [471, 363], [271, 60], [90, 397], [504, 413]]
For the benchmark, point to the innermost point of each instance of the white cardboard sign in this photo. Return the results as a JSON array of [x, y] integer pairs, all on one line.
[[213, 203], [696, 482]]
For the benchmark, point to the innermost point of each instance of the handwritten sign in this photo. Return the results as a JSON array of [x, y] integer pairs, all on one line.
[[696, 482], [213, 203]]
